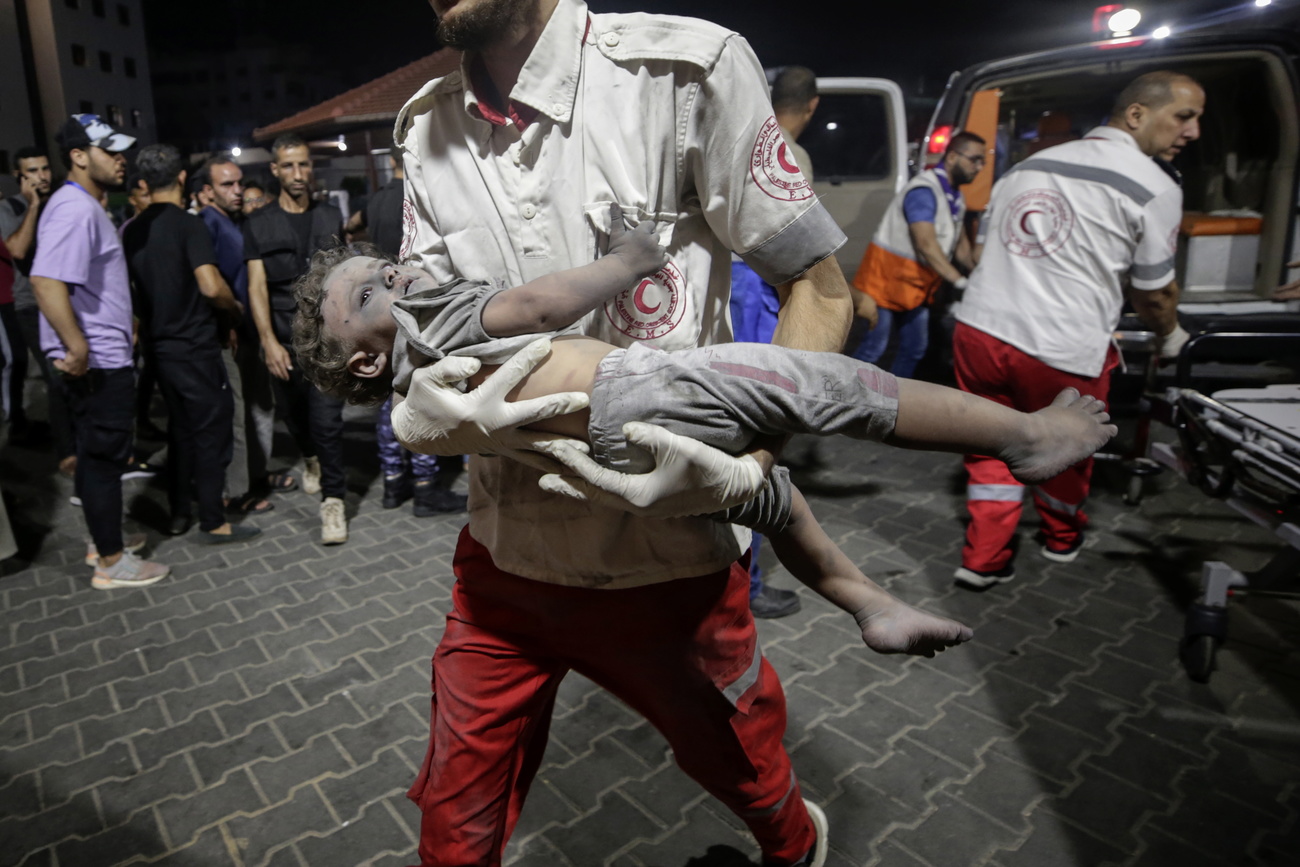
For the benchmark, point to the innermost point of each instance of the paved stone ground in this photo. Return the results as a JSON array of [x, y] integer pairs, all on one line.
[[267, 704]]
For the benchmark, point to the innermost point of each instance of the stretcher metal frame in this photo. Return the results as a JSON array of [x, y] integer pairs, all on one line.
[[1252, 466]]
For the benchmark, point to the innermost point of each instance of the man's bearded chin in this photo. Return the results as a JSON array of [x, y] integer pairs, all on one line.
[[480, 25]]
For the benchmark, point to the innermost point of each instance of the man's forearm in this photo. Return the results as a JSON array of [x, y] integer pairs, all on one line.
[[20, 242], [260, 302], [816, 309], [52, 298], [937, 261]]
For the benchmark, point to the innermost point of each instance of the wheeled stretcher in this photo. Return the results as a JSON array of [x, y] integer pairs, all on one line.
[[1241, 446]]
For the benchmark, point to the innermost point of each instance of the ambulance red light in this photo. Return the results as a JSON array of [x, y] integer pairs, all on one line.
[[939, 140]]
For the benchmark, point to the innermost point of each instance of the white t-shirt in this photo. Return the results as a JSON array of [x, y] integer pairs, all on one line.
[[671, 118], [1063, 231]]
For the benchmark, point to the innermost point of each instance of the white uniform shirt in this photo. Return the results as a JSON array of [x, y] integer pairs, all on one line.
[[1062, 231], [669, 117]]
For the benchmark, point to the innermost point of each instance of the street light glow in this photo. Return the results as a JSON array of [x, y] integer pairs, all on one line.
[[1124, 21], [832, 125], [343, 145], [236, 151], [1161, 32], [1263, 2]]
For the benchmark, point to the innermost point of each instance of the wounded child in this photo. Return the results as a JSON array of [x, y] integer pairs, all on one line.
[[365, 323]]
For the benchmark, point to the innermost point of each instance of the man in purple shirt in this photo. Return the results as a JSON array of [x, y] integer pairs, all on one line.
[[81, 284]]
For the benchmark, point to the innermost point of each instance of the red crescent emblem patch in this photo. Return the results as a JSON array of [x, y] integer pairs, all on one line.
[[654, 308], [771, 168], [1053, 222]]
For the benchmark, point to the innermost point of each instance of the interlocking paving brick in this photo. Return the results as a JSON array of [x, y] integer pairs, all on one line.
[[60, 781], [373, 831], [213, 762], [280, 775], [184, 817], [1074, 666], [258, 834]]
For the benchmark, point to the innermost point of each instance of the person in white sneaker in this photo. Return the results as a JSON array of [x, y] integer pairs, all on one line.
[[84, 293], [1065, 230]]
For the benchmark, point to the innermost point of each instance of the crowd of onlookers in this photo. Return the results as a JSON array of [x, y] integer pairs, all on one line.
[[179, 289]]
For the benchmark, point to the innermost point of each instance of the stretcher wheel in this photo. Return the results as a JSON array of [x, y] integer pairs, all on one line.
[[1133, 493], [1197, 654]]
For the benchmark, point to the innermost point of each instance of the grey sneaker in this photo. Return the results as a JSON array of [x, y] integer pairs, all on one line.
[[311, 475], [129, 571], [333, 524], [131, 542]]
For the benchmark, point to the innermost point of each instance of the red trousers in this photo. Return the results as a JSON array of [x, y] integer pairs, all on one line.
[[684, 654], [998, 371]]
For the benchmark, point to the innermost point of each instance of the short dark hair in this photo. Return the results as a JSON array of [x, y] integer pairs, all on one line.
[[133, 180], [252, 182], [203, 177], [284, 142], [1152, 89], [793, 88], [321, 356], [962, 138], [160, 165], [28, 152]]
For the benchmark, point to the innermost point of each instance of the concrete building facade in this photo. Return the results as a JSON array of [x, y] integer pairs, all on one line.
[[62, 57]]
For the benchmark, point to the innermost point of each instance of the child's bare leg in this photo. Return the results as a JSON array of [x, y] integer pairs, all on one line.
[[888, 624], [1036, 446]]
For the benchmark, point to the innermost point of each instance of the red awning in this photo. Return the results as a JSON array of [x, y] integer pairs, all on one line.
[[373, 104]]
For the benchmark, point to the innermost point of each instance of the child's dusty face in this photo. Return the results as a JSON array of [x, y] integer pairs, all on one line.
[[358, 294]]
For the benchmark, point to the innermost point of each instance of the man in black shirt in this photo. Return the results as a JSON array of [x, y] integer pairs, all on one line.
[[183, 306], [279, 241]]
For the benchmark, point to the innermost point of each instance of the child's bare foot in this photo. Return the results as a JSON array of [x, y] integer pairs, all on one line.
[[1058, 436], [896, 627]]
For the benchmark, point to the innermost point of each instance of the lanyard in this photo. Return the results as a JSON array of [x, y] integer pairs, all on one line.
[[954, 197]]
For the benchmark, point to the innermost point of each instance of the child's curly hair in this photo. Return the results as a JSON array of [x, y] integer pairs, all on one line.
[[322, 356]]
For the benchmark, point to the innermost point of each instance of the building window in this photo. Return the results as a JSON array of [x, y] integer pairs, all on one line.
[[78, 55], [137, 119], [114, 115], [105, 62], [128, 66], [87, 107], [123, 15]]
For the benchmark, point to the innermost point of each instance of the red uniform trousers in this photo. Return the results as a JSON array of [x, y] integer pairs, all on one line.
[[998, 371], [683, 653]]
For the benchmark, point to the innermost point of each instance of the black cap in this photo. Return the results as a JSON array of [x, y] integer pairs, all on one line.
[[82, 131]]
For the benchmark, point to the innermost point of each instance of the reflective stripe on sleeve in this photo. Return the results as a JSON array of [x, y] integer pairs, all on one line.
[[1153, 272], [998, 493], [748, 678]]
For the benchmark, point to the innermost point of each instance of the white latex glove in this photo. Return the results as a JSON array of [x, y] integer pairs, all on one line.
[[1172, 343], [962, 283], [438, 419], [689, 478]]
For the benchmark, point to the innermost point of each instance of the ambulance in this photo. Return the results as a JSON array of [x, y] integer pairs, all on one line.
[[1239, 180]]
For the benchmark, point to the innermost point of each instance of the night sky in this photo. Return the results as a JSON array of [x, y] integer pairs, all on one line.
[[916, 43]]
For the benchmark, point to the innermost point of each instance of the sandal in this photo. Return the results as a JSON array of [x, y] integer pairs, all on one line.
[[250, 504], [282, 483]]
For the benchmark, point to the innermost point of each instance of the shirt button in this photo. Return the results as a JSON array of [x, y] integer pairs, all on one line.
[[557, 109], [516, 156], [529, 211], [611, 39]]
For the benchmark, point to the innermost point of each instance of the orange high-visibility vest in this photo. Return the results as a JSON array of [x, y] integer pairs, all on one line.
[[893, 272]]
